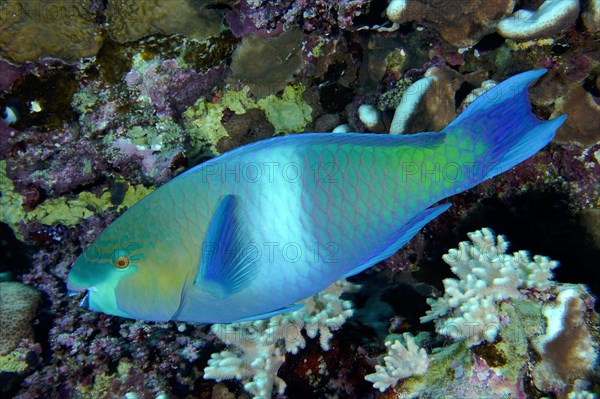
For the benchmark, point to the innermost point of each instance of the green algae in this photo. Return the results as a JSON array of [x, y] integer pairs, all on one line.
[[202, 121], [288, 113], [69, 212], [11, 202], [63, 210], [14, 362]]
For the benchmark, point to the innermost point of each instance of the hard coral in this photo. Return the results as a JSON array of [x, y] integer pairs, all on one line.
[[546, 343], [258, 347], [550, 18], [567, 348], [33, 29], [401, 362], [486, 275], [461, 23], [18, 304], [267, 64], [128, 21], [428, 104], [583, 125]]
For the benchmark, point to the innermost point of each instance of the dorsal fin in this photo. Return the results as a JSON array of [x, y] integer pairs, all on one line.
[[227, 264]]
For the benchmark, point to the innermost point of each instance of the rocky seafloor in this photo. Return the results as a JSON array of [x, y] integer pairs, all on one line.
[[104, 101]]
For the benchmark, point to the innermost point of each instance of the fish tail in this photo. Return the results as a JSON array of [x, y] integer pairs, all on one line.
[[500, 128]]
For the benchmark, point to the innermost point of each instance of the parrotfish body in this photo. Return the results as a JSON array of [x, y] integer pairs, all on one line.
[[252, 232]]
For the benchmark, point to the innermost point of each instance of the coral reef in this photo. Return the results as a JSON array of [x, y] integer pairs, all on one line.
[[460, 23], [270, 18], [31, 30], [567, 347], [550, 18], [131, 21], [70, 30], [543, 326], [401, 362], [584, 127], [259, 347], [486, 276], [18, 304], [267, 64], [166, 87]]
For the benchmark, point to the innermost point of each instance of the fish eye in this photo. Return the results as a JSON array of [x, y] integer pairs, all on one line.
[[122, 262]]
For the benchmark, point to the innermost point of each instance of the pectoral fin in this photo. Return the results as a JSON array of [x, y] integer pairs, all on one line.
[[227, 263]]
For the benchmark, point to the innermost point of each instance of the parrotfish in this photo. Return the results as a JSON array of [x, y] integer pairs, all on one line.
[[250, 233]]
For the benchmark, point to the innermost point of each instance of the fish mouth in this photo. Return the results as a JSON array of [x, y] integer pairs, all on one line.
[[85, 302], [73, 290]]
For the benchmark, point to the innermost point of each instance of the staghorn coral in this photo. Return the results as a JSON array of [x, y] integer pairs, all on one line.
[[544, 342], [18, 304], [402, 361], [258, 348], [486, 275]]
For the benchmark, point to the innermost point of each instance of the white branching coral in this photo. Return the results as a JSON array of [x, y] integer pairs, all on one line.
[[257, 348], [402, 361], [486, 275]]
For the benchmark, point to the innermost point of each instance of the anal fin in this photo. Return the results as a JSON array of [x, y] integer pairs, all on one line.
[[399, 238], [290, 308]]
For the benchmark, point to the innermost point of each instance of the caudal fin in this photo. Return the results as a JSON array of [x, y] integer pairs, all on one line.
[[501, 121]]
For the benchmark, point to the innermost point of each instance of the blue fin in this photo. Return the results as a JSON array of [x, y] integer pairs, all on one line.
[[261, 316], [401, 237], [502, 119], [226, 266]]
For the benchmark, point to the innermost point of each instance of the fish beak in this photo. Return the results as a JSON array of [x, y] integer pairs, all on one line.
[[85, 302], [73, 290]]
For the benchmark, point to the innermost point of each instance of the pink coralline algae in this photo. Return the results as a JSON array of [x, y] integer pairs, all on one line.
[[59, 161], [170, 87], [265, 18]]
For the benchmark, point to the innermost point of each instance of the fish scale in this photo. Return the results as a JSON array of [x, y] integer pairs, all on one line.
[[250, 233]]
